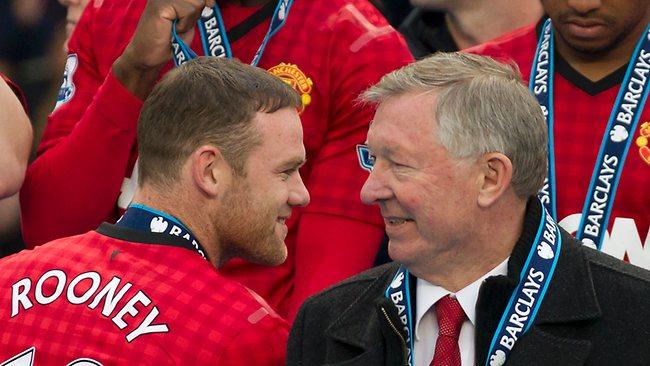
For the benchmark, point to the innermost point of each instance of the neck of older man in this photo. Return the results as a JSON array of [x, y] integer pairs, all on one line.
[[187, 206], [479, 250]]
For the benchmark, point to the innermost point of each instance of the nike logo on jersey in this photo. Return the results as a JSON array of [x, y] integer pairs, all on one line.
[[22, 293], [624, 240]]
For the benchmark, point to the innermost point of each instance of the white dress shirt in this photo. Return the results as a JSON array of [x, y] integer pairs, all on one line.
[[426, 324]]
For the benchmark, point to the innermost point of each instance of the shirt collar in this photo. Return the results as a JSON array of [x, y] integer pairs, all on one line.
[[428, 294]]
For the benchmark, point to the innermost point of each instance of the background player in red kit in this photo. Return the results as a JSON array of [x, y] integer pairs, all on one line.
[[145, 290], [328, 50], [593, 43]]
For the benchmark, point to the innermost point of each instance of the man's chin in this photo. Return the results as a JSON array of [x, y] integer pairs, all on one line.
[[271, 258]]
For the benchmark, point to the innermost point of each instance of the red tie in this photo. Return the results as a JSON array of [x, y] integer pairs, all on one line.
[[450, 319]]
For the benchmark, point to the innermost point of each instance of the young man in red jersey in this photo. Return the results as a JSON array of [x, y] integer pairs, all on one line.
[[590, 68], [220, 145], [329, 51]]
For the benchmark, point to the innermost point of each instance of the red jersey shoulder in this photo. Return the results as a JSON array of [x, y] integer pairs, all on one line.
[[518, 45], [105, 279]]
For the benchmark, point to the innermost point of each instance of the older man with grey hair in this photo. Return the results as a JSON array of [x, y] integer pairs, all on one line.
[[482, 273]]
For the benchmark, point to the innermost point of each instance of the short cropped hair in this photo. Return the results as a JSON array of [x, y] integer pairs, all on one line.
[[482, 107], [211, 101]]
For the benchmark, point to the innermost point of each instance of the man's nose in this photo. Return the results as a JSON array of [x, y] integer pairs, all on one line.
[[375, 188]]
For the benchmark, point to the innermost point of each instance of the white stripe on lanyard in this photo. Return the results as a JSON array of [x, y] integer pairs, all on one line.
[[214, 38], [616, 142]]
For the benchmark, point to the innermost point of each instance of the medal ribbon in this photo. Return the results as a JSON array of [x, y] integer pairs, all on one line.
[[142, 218], [526, 298], [524, 302], [214, 38], [616, 142]]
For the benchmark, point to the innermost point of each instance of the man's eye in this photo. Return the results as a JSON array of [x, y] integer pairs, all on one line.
[[285, 175]]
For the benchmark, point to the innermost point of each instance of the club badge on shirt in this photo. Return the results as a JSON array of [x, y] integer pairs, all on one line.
[[292, 75], [642, 141]]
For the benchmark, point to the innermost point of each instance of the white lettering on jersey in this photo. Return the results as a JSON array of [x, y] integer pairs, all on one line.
[[26, 358], [21, 289], [625, 238]]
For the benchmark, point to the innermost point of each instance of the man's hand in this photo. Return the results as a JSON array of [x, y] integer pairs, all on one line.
[[150, 48]]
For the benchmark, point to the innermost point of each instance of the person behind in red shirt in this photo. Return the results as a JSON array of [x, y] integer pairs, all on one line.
[[329, 51], [589, 67], [74, 10], [15, 145], [220, 145]]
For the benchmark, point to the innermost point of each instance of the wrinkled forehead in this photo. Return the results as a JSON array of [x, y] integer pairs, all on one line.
[[405, 123], [406, 115]]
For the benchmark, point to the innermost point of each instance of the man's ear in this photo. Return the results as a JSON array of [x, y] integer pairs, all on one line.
[[209, 169], [495, 179]]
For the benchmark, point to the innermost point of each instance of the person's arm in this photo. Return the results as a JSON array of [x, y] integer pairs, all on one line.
[[338, 235], [72, 185], [15, 146], [84, 154], [15, 141]]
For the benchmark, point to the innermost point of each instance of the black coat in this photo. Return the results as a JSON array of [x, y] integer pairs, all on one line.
[[596, 312]]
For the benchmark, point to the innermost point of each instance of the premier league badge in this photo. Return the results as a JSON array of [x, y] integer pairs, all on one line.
[[66, 92]]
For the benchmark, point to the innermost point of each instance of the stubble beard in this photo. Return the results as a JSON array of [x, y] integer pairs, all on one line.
[[247, 230]]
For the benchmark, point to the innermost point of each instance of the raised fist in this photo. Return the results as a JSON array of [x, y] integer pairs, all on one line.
[[150, 48]]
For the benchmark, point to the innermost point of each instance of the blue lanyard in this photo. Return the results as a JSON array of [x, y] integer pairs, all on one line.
[[524, 302], [541, 84], [142, 218], [616, 141], [214, 38], [526, 298], [399, 294]]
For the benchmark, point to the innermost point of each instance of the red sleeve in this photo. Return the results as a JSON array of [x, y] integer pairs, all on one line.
[[346, 248], [73, 184], [338, 236], [260, 344]]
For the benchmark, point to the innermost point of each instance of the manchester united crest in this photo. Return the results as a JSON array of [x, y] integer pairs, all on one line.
[[292, 75], [642, 141]]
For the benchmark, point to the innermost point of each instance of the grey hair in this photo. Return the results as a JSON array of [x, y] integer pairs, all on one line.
[[482, 107]]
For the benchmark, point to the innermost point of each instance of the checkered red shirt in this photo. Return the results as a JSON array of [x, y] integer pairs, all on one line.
[[88, 148], [580, 121], [199, 317]]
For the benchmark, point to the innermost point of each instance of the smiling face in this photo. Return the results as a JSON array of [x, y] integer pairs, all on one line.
[[427, 197], [256, 206], [592, 27]]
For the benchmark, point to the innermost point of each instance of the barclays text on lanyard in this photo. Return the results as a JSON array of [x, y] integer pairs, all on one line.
[[214, 38], [524, 302], [616, 141], [142, 218]]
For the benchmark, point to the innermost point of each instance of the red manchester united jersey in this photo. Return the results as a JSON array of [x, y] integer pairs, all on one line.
[[329, 51], [581, 110], [117, 296]]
